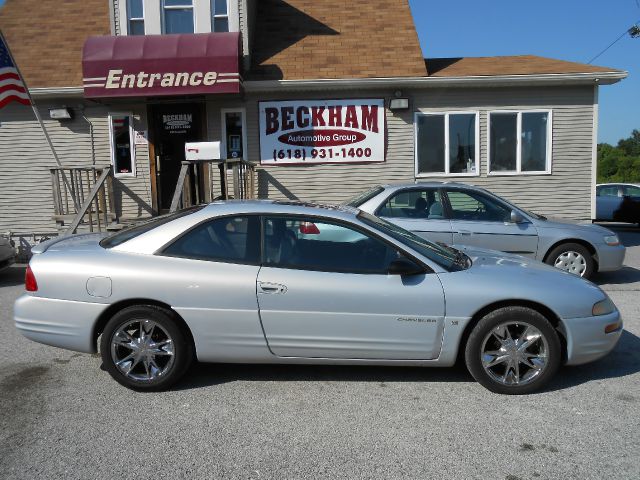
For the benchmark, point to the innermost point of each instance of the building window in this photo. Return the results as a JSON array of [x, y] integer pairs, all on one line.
[[520, 142], [220, 12], [122, 146], [178, 16], [234, 137], [135, 17], [447, 144]]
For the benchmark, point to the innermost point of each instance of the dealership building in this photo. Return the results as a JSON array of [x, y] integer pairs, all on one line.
[[326, 101]]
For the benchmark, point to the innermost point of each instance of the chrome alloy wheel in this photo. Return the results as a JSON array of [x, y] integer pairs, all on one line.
[[142, 350], [514, 353], [572, 262]]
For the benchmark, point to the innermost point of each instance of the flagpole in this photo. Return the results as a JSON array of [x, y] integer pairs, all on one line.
[[39, 118]]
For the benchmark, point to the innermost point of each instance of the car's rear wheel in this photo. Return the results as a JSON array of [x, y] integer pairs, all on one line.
[[573, 258], [143, 348], [513, 350]]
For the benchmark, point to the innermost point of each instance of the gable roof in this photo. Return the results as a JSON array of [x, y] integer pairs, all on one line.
[[506, 65], [46, 37], [311, 39]]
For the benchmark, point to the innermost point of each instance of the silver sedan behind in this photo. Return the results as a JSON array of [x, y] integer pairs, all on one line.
[[461, 214]]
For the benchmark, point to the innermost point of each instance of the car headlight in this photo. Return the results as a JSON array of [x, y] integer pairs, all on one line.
[[612, 240], [603, 307]]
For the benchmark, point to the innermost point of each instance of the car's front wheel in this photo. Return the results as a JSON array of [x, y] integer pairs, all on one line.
[[513, 350], [573, 258], [143, 348]]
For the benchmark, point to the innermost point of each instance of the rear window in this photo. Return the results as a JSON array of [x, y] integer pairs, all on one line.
[[364, 197], [132, 232]]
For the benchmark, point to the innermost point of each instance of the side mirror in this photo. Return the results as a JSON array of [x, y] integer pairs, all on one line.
[[516, 217], [404, 266]]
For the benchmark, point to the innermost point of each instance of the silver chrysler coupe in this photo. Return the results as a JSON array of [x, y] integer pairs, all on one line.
[[275, 282]]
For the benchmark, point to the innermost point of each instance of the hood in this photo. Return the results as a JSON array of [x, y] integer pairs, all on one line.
[[70, 242], [482, 257], [582, 226]]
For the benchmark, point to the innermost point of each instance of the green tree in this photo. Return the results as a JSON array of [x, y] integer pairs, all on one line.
[[620, 163]]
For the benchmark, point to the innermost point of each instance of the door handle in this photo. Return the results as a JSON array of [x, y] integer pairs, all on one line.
[[465, 232], [266, 287]]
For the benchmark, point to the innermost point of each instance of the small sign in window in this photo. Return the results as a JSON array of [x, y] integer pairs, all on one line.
[[122, 149]]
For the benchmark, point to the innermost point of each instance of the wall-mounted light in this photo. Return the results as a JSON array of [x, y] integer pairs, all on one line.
[[62, 113], [399, 104]]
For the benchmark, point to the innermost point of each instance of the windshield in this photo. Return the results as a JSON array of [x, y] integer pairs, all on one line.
[[364, 197], [132, 232], [447, 257]]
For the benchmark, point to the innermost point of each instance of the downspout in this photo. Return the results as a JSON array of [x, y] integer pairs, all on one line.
[[93, 148]]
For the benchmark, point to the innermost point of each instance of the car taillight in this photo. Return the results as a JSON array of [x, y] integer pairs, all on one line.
[[30, 283], [309, 228]]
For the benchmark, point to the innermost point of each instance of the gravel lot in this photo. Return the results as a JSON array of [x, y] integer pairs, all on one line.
[[62, 416]]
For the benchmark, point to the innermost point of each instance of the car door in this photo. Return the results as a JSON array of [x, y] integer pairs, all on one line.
[[331, 297], [419, 210], [608, 201], [211, 272], [481, 221]]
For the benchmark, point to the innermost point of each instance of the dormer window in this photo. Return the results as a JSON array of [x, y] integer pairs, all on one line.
[[220, 16], [135, 17], [178, 16]]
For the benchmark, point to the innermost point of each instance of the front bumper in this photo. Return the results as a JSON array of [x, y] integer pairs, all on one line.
[[586, 340], [59, 323], [610, 258]]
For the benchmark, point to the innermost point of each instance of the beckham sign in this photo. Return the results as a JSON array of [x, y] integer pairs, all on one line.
[[322, 131]]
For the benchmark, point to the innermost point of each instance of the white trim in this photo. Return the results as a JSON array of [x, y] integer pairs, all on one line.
[[223, 130], [153, 18], [518, 170], [131, 143], [594, 151], [447, 165], [603, 78], [123, 22]]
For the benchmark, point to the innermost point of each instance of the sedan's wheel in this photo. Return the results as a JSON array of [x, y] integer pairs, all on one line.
[[513, 350], [143, 348], [573, 258]]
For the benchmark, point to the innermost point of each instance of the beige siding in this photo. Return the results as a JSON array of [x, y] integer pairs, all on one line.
[[566, 192], [25, 186]]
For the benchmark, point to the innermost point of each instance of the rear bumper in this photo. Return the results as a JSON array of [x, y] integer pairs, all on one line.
[[586, 340], [59, 323], [610, 258]]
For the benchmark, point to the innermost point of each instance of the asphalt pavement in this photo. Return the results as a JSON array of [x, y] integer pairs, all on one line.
[[61, 416]]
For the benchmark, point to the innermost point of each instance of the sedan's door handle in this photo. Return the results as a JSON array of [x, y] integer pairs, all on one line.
[[266, 287], [465, 232]]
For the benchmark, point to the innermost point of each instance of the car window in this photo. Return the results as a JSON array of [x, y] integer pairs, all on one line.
[[424, 203], [363, 197], [227, 239], [132, 232], [475, 206], [631, 191], [311, 244], [610, 191]]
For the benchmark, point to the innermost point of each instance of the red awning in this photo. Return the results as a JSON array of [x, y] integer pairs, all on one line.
[[154, 65]]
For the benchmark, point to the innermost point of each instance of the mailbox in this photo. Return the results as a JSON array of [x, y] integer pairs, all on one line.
[[202, 150]]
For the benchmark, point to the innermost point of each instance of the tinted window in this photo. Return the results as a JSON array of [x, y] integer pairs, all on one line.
[[425, 203], [611, 191], [132, 232], [310, 244], [631, 191], [474, 206], [228, 239]]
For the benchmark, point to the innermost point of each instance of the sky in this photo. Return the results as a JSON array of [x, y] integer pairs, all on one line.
[[574, 30]]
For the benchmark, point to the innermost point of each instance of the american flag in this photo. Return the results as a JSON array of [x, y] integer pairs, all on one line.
[[11, 86]]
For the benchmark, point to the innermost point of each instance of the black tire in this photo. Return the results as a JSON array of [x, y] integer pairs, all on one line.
[[563, 248], [176, 364], [482, 332]]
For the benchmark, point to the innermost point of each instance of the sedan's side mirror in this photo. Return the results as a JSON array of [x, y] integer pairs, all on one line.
[[516, 217], [404, 266]]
